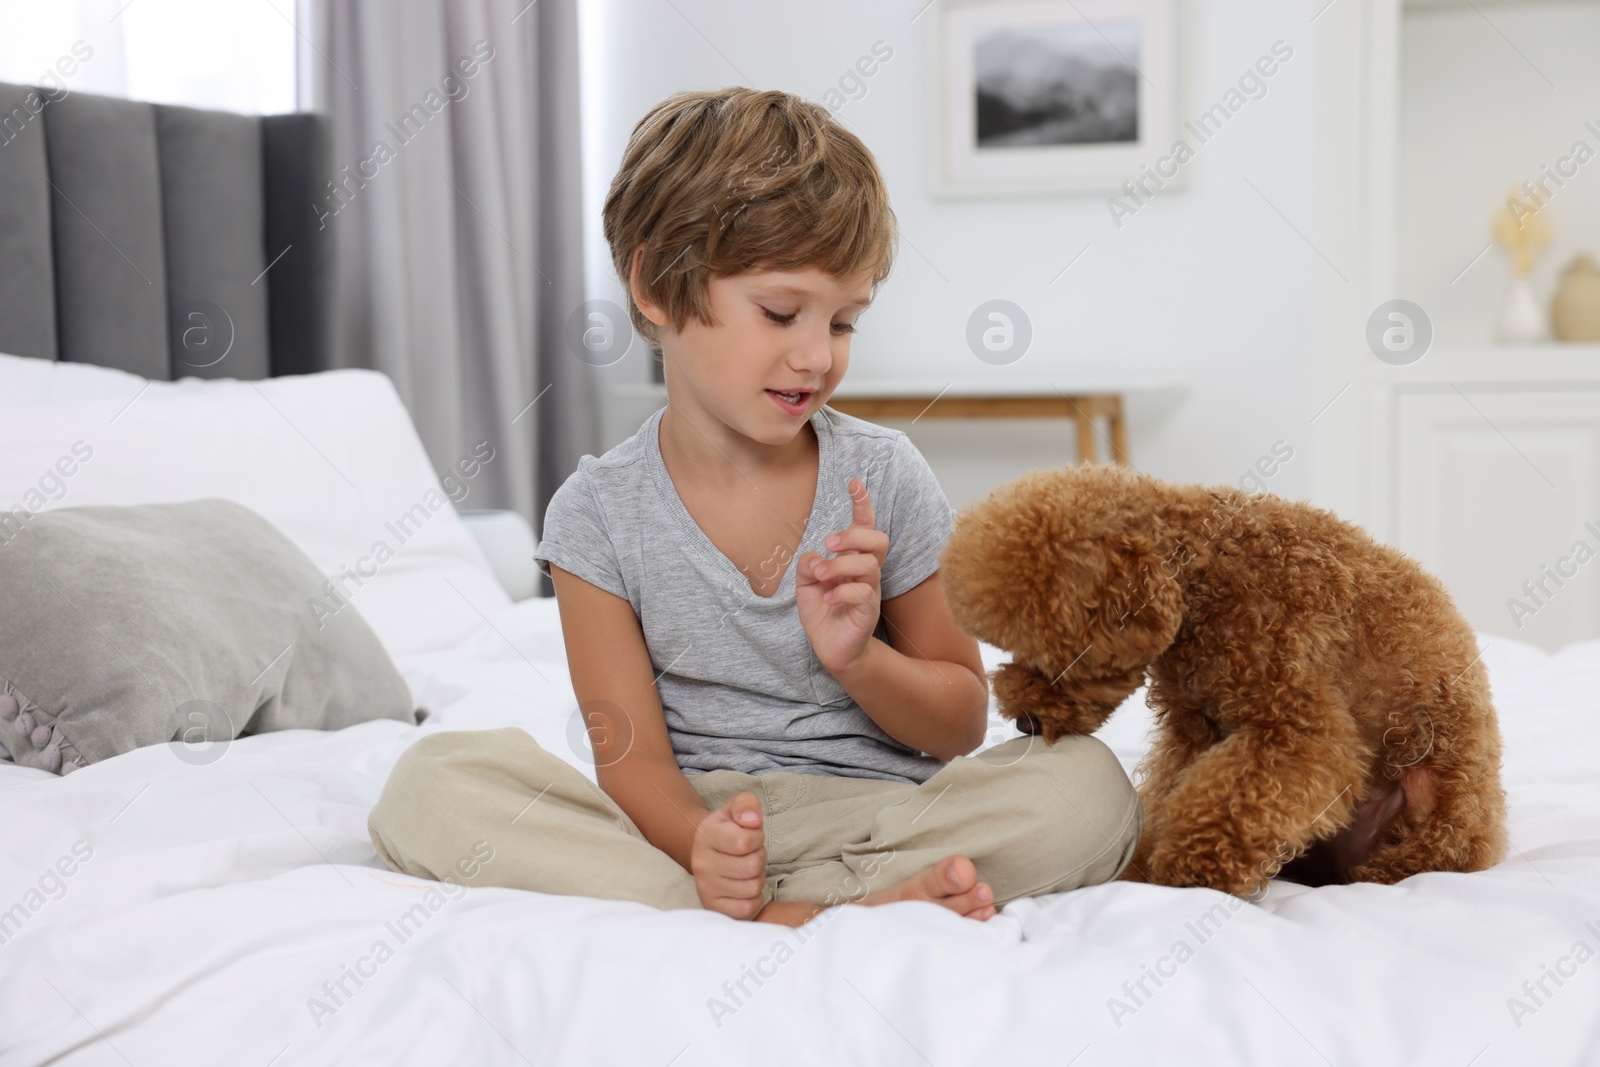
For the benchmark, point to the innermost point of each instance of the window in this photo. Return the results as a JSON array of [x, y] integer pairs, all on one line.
[[238, 55]]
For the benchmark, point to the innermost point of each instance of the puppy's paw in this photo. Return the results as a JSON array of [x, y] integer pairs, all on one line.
[[1211, 856]]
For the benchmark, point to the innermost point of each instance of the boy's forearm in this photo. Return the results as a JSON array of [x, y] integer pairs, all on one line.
[[657, 796], [935, 706]]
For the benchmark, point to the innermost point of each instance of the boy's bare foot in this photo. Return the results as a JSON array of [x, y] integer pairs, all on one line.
[[951, 883]]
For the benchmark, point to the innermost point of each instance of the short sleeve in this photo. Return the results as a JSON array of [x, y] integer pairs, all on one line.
[[920, 520], [574, 536]]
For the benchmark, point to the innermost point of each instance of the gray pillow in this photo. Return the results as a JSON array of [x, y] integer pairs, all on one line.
[[196, 622]]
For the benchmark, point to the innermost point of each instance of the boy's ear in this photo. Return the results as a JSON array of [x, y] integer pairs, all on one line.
[[648, 308]]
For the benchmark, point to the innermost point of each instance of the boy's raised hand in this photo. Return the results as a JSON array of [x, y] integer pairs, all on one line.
[[729, 858], [839, 599]]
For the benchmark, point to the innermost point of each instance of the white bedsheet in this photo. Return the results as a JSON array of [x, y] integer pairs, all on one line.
[[219, 899]]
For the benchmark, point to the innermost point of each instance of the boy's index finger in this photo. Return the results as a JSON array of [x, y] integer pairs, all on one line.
[[861, 505]]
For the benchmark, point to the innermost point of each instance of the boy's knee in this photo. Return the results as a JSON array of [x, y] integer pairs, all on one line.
[[1081, 767], [467, 756], [1087, 811], [1129, 841], [408, 812], [1098, 780], [423, 752], [1099, 764], [415, 774]]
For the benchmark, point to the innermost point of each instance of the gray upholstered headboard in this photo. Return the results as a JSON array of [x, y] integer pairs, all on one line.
[[146, 237]]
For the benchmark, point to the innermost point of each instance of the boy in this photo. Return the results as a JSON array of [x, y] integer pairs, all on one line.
[[775, 729]]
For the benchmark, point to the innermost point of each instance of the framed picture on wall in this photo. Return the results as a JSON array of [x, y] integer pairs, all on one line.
[[1034, 97]]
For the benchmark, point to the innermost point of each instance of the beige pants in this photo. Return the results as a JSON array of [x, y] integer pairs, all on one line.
[[491, 807]]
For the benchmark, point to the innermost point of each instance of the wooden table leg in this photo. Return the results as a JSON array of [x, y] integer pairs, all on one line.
[[1119, 432], [1085, 423]]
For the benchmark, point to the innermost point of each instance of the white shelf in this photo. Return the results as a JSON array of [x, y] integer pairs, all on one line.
[[1511, 365], [1410, 6]]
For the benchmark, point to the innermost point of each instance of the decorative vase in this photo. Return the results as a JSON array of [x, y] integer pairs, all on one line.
[[1575, 310], [1521, 319], [1522, 231]]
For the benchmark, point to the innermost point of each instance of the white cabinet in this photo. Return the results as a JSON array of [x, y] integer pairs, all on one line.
[[1480, 461], [1495, 487]]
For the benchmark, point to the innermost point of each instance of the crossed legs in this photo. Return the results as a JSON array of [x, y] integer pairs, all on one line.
[[1031, 818]]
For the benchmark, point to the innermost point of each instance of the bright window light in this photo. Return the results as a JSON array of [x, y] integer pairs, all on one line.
[[237, 55]]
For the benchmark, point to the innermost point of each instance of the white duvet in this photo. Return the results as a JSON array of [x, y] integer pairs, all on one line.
[[154, 911]]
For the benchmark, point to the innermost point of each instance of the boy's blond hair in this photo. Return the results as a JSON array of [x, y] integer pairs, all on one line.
[[719, 183]]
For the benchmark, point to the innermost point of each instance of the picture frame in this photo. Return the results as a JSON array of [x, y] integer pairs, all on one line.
[[1048, 97]]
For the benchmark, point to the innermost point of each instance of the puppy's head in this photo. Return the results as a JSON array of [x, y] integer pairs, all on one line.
[[1071, 571]]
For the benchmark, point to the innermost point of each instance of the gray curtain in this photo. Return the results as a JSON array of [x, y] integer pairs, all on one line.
[[457, 211]]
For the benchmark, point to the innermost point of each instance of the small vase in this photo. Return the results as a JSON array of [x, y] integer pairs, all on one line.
[[1575, 311], [1521, 320]]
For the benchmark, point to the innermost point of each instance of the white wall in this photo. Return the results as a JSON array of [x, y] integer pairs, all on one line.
[[1486, 99], [1209, 283]]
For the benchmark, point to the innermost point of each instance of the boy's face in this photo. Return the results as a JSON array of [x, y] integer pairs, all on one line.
[[777, 331]]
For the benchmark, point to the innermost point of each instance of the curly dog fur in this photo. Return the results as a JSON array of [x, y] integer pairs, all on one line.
[[1319, 700]]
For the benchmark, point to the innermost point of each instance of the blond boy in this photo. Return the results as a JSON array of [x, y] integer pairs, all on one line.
[[778, 700]]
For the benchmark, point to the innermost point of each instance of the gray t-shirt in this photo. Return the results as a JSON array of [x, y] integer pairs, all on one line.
[[740, 684]]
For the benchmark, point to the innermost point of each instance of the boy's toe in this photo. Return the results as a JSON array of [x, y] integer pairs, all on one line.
[[956, 875]]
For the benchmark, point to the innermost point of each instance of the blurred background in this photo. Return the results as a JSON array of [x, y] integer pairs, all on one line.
[[1366, 279]]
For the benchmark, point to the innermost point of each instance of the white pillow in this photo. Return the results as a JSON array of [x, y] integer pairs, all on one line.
[[44, 381], [332, 459]]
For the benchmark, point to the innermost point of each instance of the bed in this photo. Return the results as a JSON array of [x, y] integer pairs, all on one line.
[[169, 910], [223, 907]]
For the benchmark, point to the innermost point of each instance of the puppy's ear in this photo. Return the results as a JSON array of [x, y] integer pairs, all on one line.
[[1132, 617], [1140, 607]]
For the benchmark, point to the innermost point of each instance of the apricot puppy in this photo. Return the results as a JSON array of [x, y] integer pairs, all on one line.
[[1320, 704]]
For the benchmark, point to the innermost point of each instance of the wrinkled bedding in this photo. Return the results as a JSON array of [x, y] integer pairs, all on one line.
[[156, 910]]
